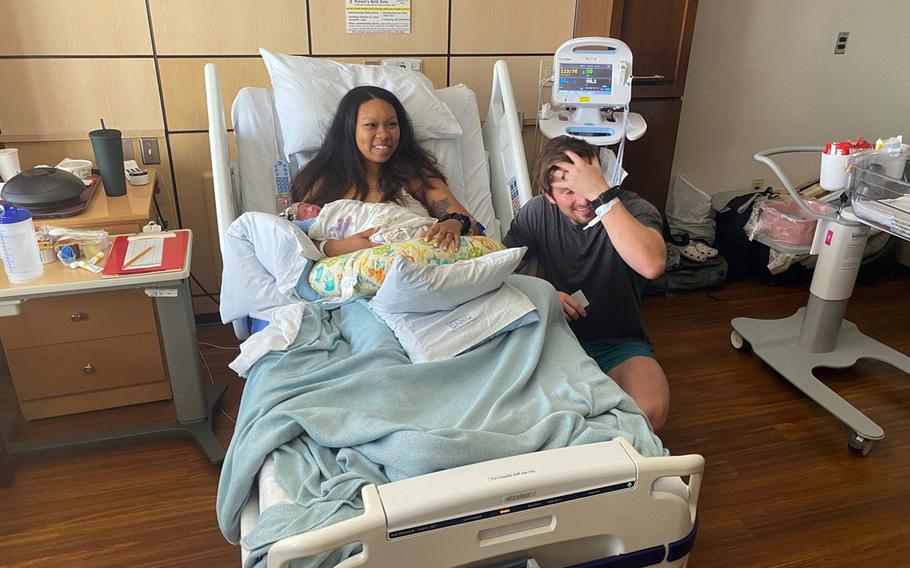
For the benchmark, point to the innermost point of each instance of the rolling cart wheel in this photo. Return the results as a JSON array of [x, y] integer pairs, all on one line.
[[739, 342], [859, 445]]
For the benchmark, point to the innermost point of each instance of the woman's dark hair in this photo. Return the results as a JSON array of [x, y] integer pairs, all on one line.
[[554, 152], [339, 165]]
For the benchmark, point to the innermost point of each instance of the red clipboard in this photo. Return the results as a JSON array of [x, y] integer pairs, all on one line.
[[171, 259]]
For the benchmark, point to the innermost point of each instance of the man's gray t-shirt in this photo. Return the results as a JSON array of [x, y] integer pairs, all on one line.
[[574, 259]]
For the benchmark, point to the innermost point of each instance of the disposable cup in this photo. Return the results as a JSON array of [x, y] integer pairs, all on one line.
[[833, 173], [9, 163]]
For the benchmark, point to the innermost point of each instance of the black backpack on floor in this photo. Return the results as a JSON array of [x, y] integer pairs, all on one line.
[[745, 258]]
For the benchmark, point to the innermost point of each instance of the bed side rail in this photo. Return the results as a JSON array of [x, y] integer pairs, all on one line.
[[226, 209], [225, 205], [510, 186]]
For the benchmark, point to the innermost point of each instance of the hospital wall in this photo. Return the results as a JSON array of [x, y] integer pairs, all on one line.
[[66, 63], [763, 73]]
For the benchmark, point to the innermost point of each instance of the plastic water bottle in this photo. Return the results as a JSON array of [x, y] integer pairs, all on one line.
[[19, 245]]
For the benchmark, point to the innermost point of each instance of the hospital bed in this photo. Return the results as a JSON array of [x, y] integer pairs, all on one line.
[[601, 504]]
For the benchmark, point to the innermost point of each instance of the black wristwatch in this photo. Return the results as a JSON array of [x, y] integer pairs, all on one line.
[[464, 219], [606, 197]]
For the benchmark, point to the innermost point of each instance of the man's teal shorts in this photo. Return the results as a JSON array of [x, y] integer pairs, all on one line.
[[609, 356]]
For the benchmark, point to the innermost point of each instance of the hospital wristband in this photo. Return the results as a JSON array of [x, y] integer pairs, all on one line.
[[321, 247], [601, 211]]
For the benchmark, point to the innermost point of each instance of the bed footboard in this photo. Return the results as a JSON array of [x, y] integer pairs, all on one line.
[[650, 521]]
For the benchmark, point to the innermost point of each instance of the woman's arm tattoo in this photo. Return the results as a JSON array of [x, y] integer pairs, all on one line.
[[441, 206]]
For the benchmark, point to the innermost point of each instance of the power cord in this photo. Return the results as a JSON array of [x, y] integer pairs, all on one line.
[[212, 378], [204, 291], [540, 88], [164, 225]]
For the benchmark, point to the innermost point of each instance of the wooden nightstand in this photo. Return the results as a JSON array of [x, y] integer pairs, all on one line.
[[76, 342], [92, 350]]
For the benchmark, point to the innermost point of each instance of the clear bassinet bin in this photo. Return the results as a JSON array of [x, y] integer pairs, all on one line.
[[878, 188]]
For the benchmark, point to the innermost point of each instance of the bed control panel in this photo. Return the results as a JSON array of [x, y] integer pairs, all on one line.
[[508, 485]]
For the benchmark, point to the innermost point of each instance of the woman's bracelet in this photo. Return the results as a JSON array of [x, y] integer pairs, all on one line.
[[321, 247], [465, 221]]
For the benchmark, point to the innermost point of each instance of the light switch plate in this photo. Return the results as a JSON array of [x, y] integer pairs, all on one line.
[[150, 154]]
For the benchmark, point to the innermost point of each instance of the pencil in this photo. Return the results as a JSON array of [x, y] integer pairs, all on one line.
[[142, 253]]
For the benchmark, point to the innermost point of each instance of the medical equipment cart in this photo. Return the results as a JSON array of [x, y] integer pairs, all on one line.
[[817, 335]]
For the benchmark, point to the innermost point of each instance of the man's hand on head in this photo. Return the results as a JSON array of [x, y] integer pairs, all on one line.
[[581, 176], [571, 307]]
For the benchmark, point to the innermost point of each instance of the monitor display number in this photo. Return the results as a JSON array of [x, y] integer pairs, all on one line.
[[589, 78]]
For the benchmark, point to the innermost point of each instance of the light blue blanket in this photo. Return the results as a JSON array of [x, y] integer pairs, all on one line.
[[344, 407]]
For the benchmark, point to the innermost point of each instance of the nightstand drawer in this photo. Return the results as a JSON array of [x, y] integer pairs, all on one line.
[[79, 317], [85, 366]]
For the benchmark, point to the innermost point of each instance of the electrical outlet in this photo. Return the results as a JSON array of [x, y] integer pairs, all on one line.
[[412, 63], [150, 154], [840, 44], [758, 184]]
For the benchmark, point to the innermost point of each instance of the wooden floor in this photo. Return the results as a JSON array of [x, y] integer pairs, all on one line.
[[781, 488]]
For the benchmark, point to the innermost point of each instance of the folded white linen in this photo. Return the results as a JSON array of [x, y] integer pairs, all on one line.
[[282, 330], [264, 256]]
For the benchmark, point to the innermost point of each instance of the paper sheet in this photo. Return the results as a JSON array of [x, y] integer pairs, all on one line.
[[150, 259], [377, 16]]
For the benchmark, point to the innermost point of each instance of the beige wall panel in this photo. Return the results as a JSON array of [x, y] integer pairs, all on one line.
[[70, 95], [511, 26], [192, 165], [229, 27], [52, 152], [435, 68], [68, 27], [477, 73], [429, 30], [183, 84], [533, 142]]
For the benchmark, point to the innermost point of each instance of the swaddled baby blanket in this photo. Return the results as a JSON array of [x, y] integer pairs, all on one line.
[[345, 217]]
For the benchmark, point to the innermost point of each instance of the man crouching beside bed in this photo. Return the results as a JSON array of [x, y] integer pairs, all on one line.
[[608, 262]]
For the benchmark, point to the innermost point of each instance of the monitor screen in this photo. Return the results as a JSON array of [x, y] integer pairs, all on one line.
[[594, 79]]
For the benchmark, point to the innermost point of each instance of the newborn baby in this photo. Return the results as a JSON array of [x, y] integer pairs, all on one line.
[[305, 215], [345, 217]]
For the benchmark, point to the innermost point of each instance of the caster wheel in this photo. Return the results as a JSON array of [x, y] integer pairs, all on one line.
[[859, 445], [739, 342]]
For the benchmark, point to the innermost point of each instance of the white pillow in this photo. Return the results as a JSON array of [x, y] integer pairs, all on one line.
[[475, 169], [437, 336], [409, 287], [308, 90]]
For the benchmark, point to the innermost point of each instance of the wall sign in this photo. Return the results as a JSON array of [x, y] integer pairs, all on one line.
[[378, 16]]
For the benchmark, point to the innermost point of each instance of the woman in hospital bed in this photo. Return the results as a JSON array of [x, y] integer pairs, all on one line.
[[371, 183]]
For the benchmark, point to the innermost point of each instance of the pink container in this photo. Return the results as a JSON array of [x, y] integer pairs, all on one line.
[[785, 222]]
